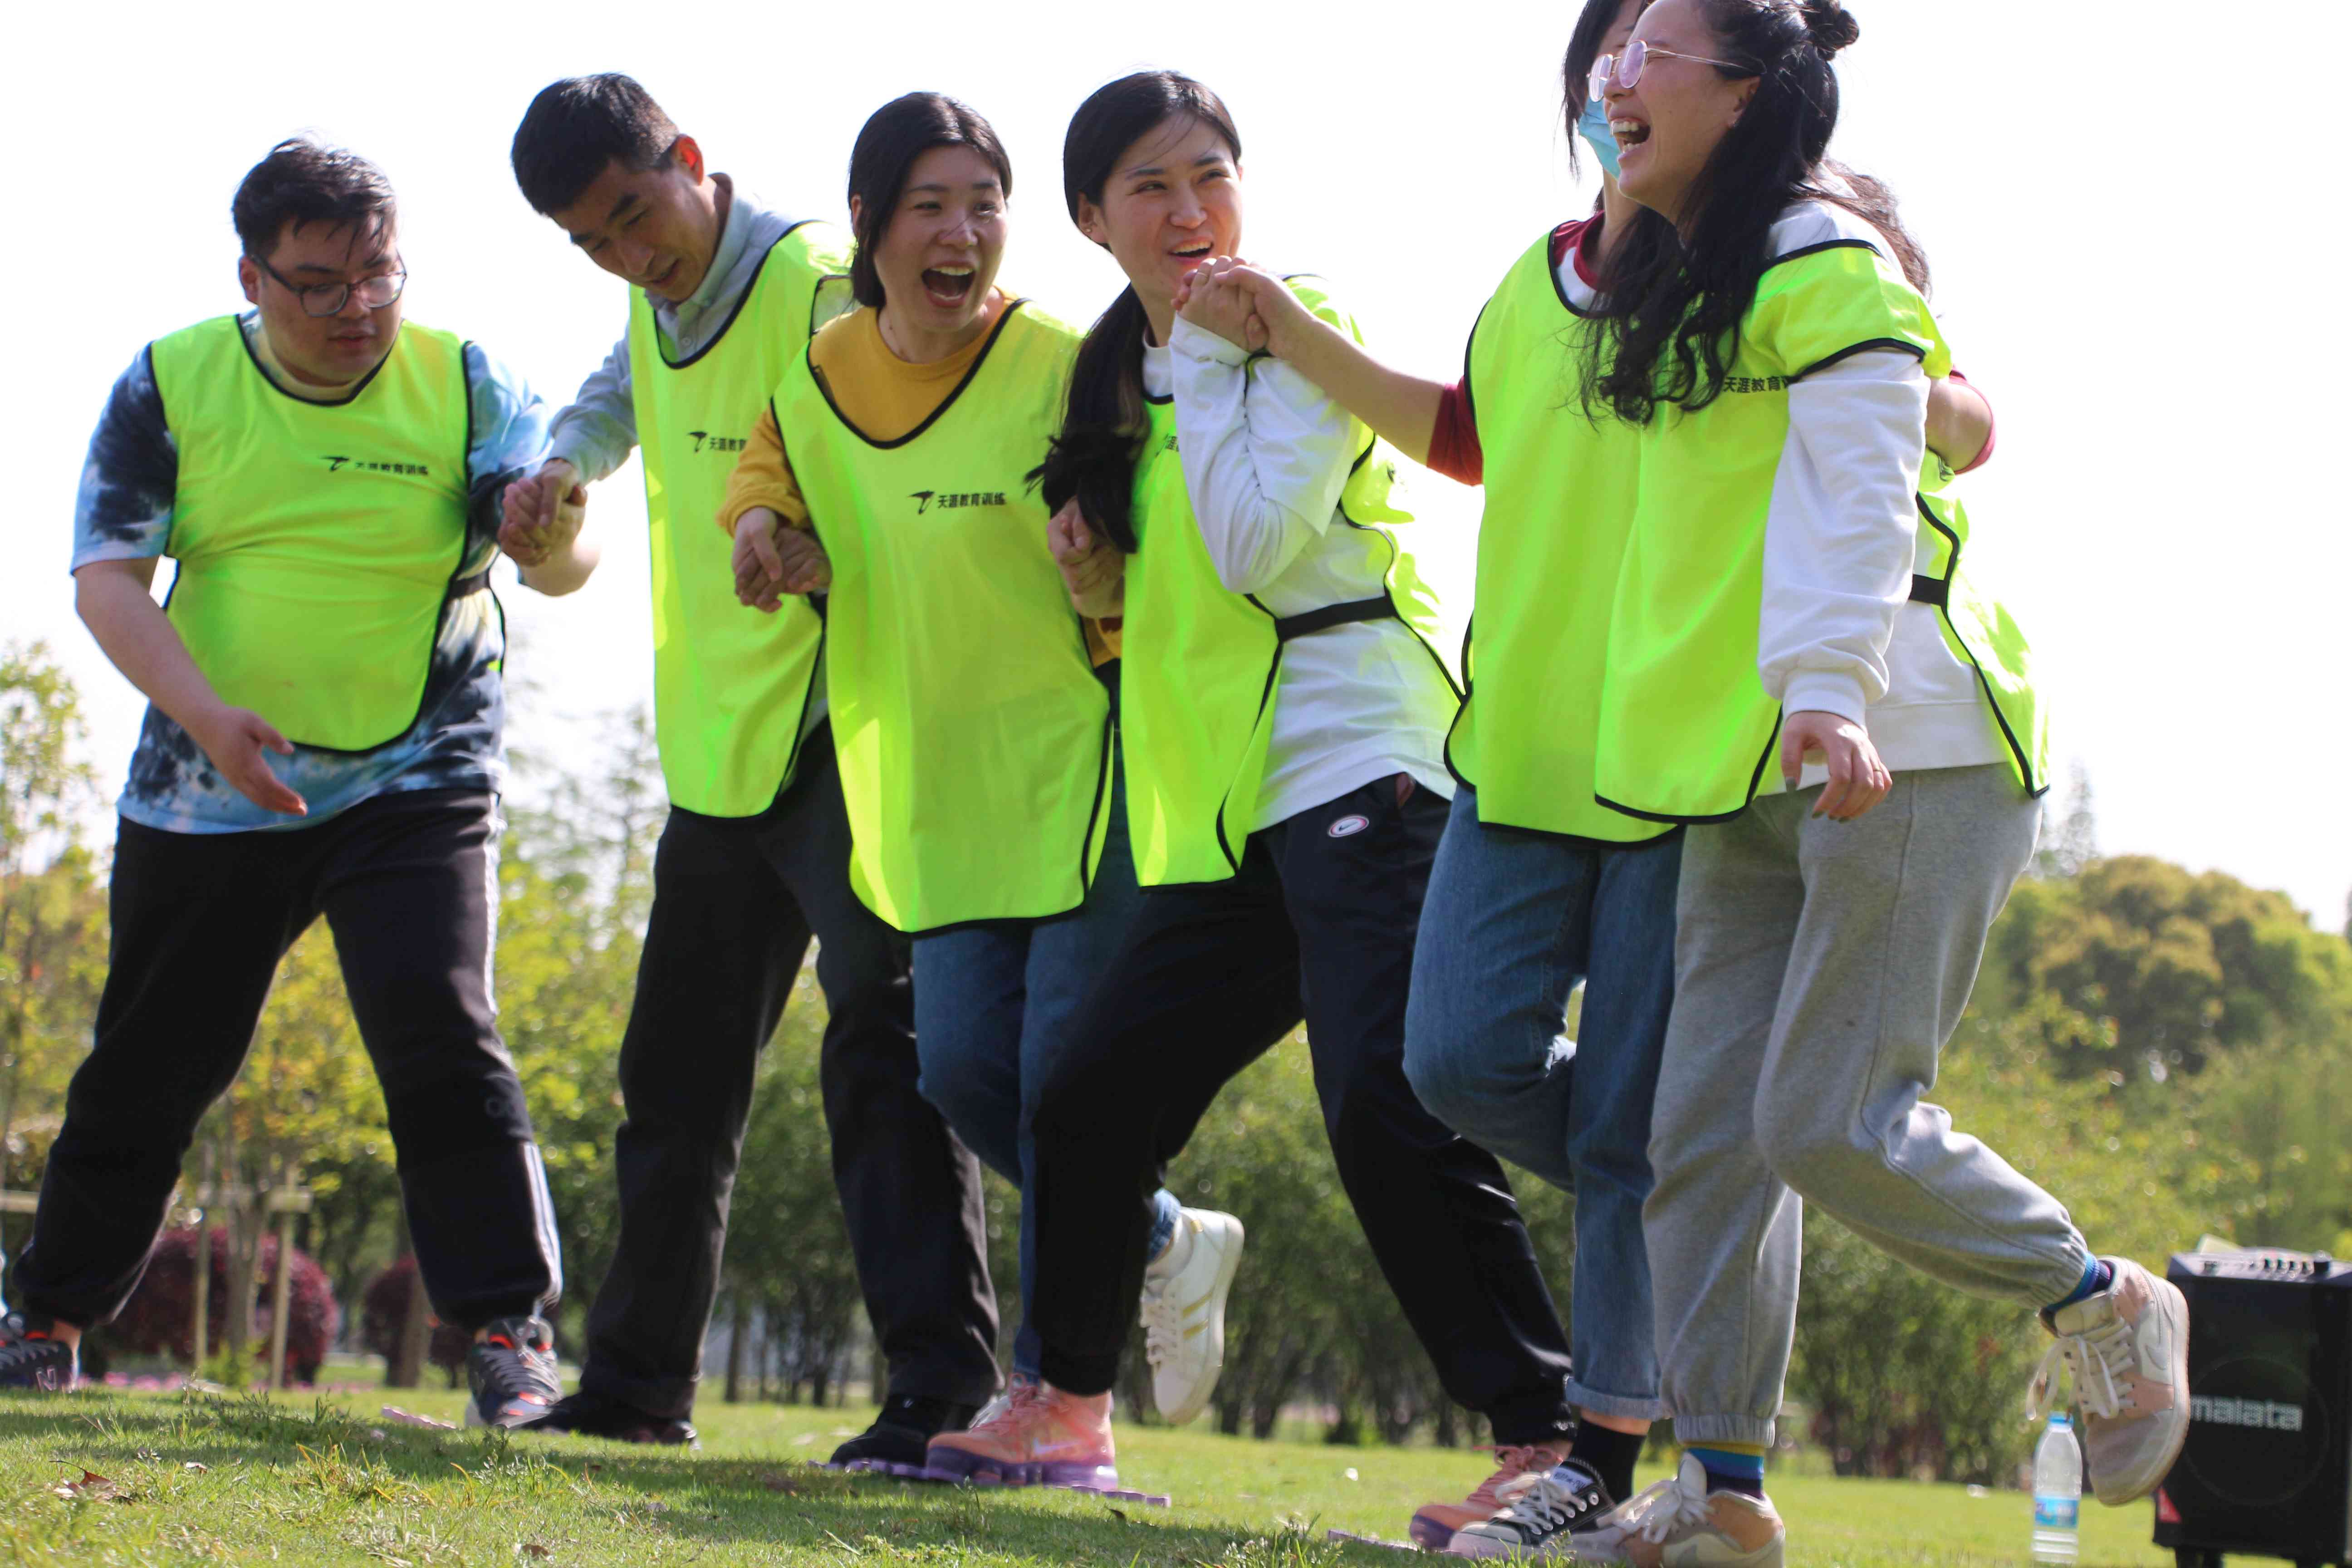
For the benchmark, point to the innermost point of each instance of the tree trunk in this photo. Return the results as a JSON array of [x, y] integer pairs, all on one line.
[[200, 1334], [244, 1243], [737, 1327], [405, 1368]]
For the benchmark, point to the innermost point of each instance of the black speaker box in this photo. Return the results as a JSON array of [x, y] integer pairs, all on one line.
[[2267, 1468]]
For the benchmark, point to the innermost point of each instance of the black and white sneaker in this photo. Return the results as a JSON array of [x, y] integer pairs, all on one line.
[[902, 1433], [30, 1357], [511, 1369], [594, 1416], [1541, 1517]]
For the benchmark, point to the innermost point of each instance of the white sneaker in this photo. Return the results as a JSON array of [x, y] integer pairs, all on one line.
[[1184, 1312], [2126, 1350], [1680, 1524]]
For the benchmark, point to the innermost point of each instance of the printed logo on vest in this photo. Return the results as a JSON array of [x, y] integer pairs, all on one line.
[[337, 463], [718, 443], [1755, 384], [946, 498], [1348, 826]]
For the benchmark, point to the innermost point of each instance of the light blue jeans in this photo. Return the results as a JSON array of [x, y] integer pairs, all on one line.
[[992, 1005], [1513, 921]]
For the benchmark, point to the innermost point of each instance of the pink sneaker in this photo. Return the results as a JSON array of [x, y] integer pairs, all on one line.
[[1435, 1525], [2126, 1351], [1036, 1436]]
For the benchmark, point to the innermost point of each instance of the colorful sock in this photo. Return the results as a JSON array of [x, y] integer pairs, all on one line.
[[1732, 1466], [2095, 1279], [1610, 1455]]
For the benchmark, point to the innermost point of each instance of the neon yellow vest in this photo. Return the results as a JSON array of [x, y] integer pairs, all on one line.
[[318, 543], [731, 686], [1687, 729], [1202, 664], [1613, 662], [1560, 494], [973, 737]]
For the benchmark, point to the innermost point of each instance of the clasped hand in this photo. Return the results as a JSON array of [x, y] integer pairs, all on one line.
[[772, 560], [540, 515], [1093, 569], [1252, 310]]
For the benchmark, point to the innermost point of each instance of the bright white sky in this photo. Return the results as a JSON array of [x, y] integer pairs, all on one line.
[[2127, 210]]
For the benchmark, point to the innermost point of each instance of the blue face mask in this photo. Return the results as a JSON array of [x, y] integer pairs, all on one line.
[[1594, 127]]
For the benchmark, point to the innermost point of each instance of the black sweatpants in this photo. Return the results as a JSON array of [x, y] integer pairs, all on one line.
[[735, 903], [1321, 919], [200, 920]]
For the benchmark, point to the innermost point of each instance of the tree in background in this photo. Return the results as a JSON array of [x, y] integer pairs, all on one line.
[[52, 905], [2137, 967]]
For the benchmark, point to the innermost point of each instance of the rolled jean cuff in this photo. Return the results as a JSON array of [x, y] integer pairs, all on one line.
[[1626, 1407], [1166, 1213], [1697, 1431]]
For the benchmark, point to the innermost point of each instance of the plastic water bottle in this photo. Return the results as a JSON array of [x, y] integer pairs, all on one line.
[[2057, 1492]]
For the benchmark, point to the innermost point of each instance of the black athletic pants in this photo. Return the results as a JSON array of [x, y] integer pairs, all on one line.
[[201, 920], [1321, 919], [735, 903]]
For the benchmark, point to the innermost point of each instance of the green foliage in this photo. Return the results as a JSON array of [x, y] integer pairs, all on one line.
[[2136, 964]]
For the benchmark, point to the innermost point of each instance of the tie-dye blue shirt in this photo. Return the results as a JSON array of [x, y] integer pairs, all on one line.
[[124, 514]]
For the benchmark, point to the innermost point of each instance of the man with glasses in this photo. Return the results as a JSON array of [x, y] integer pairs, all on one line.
[[323, 738]]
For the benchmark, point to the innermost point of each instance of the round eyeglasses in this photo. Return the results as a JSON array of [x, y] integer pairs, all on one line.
[[328, 298], [1625, 71]]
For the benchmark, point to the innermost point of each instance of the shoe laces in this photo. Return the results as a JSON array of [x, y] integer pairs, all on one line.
[[1012, 1408], [1539, 1498], [514, 1359], [1667, 1506], [2099, 1363], [1163, 1326]]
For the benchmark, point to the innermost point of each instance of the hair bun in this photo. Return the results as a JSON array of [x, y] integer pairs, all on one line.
[[1830, 25]]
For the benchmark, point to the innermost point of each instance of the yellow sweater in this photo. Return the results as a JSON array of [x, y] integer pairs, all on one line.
[[882, 396]]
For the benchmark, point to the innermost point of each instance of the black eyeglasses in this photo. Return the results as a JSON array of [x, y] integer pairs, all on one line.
[[328, 298]]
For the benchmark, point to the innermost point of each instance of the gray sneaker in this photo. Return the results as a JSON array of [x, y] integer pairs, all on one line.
[[1680, 1524], [2126, 1351]]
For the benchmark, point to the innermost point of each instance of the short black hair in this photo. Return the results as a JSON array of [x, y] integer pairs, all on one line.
[[897, 133], [303, 182], [576, 126]]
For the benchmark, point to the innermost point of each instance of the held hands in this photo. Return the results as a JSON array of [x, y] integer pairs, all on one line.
[[1093, 569], [772, 560], [541, 514], [1253, 310], [1858, 780], [235, 739]]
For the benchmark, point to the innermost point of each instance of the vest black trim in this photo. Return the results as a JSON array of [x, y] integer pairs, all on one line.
[[245, 342], [825, 390], [741, 301], [1285, 627], [1942, 601], [1898, 344]]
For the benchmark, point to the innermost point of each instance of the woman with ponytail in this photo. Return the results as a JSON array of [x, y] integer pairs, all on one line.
[[1786, 659], [972, 711], [1283, 713]]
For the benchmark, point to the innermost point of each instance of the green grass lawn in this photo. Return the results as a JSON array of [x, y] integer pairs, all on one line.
[[304, 1480]]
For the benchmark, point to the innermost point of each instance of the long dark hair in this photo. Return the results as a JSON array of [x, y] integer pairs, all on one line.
[[1671, 329], [1102, 430], [894, 136]]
